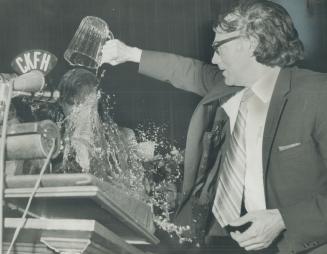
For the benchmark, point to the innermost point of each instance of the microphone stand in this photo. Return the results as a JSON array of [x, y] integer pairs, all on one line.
[[2, 158]]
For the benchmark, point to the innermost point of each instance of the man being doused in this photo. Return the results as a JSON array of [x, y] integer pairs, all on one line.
[[92, 145]]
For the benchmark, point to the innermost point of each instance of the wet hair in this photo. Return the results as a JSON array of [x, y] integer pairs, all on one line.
[[272, 27], [76, 84]]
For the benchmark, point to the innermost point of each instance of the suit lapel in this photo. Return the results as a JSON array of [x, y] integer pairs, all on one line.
[[276, 107], [221, 116], [218, 118], [199, 123]]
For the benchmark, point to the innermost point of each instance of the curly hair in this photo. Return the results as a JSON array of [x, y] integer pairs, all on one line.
[[76, 84], [271, 25]]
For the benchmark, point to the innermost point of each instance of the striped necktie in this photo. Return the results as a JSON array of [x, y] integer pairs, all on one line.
[[228, 199]]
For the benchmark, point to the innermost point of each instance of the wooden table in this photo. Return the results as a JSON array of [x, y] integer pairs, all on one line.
[[74, 205], [65, 236]]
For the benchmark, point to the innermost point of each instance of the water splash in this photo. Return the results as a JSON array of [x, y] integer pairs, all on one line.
[[164, 174], [114, 154], [100, 149]]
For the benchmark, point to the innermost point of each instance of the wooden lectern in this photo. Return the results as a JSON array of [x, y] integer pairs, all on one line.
[[76, 213]]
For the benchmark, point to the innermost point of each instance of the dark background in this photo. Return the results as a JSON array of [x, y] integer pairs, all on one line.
[[177, 26]]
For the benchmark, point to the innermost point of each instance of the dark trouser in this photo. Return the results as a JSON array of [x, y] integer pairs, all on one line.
[[216, 245], [219, 241], [226, 245]]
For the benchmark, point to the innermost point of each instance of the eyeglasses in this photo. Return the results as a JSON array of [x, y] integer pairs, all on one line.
[[216, 44]]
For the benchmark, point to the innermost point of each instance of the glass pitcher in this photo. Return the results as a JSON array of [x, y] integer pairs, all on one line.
[[86, 46]]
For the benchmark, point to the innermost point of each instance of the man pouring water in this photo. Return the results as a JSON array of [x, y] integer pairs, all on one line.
[[256, 151]]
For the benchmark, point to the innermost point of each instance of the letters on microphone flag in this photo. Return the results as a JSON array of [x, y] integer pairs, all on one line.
[[35, 59]]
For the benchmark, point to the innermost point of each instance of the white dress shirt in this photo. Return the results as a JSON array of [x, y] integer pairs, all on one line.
[[257, 105]]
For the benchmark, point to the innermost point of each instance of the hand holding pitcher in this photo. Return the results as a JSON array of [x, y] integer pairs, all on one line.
[[116, 52]]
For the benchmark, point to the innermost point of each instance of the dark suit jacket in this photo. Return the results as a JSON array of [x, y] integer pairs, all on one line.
[[294, 143]]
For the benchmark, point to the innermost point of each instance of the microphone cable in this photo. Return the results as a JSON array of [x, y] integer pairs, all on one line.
[[2, 158], [36, 186]]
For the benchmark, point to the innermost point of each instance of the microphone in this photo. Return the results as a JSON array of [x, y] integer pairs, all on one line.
[[32, 81], [41, 96], [26, 141]]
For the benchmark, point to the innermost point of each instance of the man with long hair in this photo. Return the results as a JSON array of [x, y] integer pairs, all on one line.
[[255, 158]]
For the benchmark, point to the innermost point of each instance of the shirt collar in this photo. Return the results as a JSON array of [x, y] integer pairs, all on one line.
[[264, 87], [231, 107]]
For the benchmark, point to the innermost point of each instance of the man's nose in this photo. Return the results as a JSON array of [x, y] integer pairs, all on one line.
[[215, 58]]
